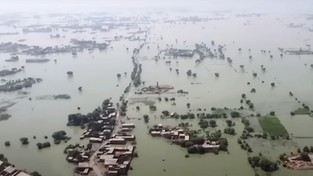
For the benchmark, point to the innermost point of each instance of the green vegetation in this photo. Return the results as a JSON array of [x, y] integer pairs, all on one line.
[[263, 163], [146, 118], [7, 143], [24, 141], [230, 131], [188, 115], [166, 113], [203, 124], [305, 156], [43, 145], [4, 160], [213, 123], [59, 135], [272, 126], [246, 132], [189, 72], [230, 123], [301, 111], [235, 114], [152, 108], [196, 149], [35, 174]]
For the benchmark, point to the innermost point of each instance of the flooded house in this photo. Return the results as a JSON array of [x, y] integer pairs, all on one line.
[[170, 133], [117, 160], [128, 125], [83, 168]]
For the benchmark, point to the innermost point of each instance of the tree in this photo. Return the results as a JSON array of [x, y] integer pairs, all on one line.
[[229, 123], [7, 143], [24, 141], [305, 156], [272, 113], [191, 115], [46, 144], [255, 161], [152, 107], [59, 135], [234, 114], [35, 174], [188, 144], [230, 131], [166, 113], [251, 105], [201, 150], [282, 157], [306, 149], [267, 165], [123, 108], [39, 145], [249, 129], [77, 119], [188, 105], [203, 124], [189, 72], [192, 149], [213, 123], [223, 144], [198, 140], [146, 118], [89, 146]]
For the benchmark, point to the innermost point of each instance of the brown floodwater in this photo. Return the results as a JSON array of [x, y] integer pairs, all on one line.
[[96, 73]]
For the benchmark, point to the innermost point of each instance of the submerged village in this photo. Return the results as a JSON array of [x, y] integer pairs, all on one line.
[[112, 94]]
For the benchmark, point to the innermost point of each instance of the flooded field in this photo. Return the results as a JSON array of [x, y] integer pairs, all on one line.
[[240, 35]]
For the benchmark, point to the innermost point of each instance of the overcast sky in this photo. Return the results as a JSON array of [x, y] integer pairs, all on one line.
[[305, 6]]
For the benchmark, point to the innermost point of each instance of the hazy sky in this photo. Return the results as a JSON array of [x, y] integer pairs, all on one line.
[[298, 6]]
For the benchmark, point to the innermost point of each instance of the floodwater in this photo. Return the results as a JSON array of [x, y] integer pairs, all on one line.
[[96, 73]]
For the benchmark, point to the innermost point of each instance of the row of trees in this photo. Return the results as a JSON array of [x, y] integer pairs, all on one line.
[[263, 163], [205, 124], [43, 145]]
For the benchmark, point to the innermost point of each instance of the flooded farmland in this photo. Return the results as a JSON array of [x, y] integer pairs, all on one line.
[[254, 63]]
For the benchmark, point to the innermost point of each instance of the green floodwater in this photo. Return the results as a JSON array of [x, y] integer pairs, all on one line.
[[96, 73]]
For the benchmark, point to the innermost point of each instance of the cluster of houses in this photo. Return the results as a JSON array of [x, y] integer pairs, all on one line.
[[295, 162], [116, 159], [113, 140], [175, 133], [116, 154], [178, 135], [103, 128], [119, 151], [10, 171]]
